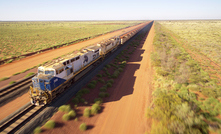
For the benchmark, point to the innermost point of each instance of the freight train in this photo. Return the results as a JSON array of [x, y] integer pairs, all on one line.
[[54, 77]]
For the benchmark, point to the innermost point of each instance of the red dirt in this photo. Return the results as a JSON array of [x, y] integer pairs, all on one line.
[[12, 106], [124, 111]]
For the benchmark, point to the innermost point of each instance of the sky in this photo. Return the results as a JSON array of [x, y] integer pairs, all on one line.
[[47, 10]]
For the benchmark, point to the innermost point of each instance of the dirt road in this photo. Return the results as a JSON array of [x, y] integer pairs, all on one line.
[[125, 113], [17, 66]]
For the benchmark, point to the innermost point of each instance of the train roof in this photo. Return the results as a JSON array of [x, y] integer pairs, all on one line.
[[58, 63], [105, 42]]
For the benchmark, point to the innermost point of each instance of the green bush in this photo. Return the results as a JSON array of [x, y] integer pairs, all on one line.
[[76, 119], [98, 101], [37, 130], [103, 94], [12, 82], [109, 84], [83, 127], [177, 86], [110, 81], [120, 70], [29, 74], [101, 80], [16, 73], [105, 69], [65, 108], [75, 100], [91, 85], [95, 108], [124, 62], [94, 82], [99, 75], [202, 98], [115, 74], [65, 117], [82, 100], [4, 78], [103, 89], [85, 91], [72, 113], [50, 124], [162, 72], [107, 73], [87, 112], [107, 66]]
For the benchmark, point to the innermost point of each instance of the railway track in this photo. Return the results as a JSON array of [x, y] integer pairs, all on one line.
[[11, 92], [19, 120]]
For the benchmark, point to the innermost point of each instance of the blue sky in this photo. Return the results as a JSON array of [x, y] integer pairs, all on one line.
[[24, 10]]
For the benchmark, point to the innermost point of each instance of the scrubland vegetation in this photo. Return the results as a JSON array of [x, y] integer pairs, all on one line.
[[185, 98], [19, 38], [205, 36]]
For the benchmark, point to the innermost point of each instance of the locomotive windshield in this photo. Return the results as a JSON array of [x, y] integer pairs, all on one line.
[[50, 72], [40, 71]]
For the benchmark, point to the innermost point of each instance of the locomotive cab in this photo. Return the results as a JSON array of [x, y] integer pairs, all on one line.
[[41, 86]]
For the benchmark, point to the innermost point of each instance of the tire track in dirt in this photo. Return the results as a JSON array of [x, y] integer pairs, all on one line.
[[124, 113]]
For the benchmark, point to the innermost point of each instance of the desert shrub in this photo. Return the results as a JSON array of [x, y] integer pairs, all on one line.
[[202, 98], [83, 127], [121, 66], [37, 130], [85, 91], [4, 78], [79, 94], [103, 89], [16, 73], [65, 117], [12, 82], [65, 108], [105, 69], [177, 86], [91, 85], [95, 108], [75, 100], [87, 112], [99, 75], [107, 73], [94, 82], [76, 119], [110, 81], [155, 59], [111, 64], [101, 80], [50, 124], [29, 74], [72, 113], [115, 74], [98, 101], [109, 84], [103, 94], [124, 62], [82, 100], [107, 66], [120, 70], [162, 72]]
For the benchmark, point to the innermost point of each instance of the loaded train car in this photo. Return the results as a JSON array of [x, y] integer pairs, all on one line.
[[53, 78]]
